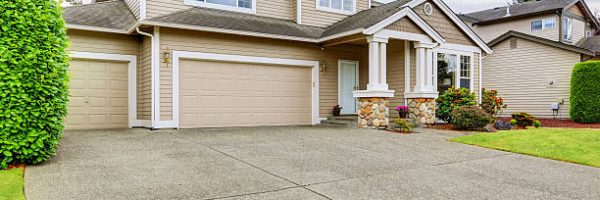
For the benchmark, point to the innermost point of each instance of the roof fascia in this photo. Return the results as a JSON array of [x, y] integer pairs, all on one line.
[[406, 12]]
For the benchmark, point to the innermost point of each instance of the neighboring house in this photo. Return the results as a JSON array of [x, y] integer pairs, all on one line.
[[535, 45], [218, 63]]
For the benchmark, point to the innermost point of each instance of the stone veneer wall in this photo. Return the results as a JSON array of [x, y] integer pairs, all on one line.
[[373, 112], [422, 110]]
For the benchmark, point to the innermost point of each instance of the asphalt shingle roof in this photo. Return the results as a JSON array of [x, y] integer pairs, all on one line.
[[110, 14], [591, 43], [509, 34], [239, 21], [517, 10]]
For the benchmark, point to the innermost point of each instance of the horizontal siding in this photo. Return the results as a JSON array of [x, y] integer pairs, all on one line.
[[405, 25], [578, 30], [439, 21], [144, 94], [134, 6], [180, 40], [281, 9], [312, 16], [492, 31], [521, 76]]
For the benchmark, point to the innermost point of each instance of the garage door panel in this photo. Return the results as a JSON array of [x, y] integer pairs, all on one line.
[[235, 94], [98, 95]]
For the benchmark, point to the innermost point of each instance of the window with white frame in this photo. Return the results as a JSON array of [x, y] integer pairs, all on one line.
[[567, 29], [231, 5], [543, 24], [454, 71], [337, 6]]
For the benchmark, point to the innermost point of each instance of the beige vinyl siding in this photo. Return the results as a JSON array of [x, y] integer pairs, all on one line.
[[492, 31], [280, 9], [396, 72], [313, 17], [521, 76], [405, 25], [578, 30], [576, 10], [144, 92], [444, 25], [193, 41], [134, 6]]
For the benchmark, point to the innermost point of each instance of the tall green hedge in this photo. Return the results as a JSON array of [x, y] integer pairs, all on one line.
[[585, 92], [33, 80]]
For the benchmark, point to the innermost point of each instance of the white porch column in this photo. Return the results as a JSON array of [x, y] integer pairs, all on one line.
[[421, 101], [373, 103]]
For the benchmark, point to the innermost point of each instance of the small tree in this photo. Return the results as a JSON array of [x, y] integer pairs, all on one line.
[[585, 92], [33, 80]]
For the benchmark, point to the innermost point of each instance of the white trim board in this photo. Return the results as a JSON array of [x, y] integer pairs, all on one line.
[[132, 80], [406, 12], [178, 55]]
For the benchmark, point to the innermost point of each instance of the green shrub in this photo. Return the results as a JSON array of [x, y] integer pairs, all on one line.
[[470, 118], [513, 122], [452, 99], [523, 119], [585, 93], [33, 80], [537, 123], [403, 125], [491, 103]]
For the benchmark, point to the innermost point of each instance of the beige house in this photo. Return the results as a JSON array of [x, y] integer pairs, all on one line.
[[535, 45], [219, 63]]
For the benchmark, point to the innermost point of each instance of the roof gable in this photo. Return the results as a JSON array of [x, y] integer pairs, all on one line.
[[511, 34], [518, 10]]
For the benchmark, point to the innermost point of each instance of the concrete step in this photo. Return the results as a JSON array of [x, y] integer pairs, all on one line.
[[345, 123], [344, 118]]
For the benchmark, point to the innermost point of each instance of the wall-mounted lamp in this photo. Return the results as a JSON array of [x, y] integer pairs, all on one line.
[[322, 66], [166, 56]]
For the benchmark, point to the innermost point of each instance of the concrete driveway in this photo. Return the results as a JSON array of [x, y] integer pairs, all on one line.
[[296, 163]]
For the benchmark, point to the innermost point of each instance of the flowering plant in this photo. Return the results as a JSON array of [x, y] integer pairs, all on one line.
[[402, 108], [491, 103]]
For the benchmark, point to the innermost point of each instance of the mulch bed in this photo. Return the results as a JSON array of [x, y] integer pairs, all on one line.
[[16, 166], [561, 123]]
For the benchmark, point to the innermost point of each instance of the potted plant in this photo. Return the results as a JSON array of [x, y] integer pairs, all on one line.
[[402, 111], [337, 110]]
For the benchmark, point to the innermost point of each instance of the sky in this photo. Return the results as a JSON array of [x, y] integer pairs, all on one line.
[[467, 6]]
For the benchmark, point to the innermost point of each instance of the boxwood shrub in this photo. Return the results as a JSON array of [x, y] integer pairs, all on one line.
[[33, 80], [470, 118], [452, 99], [585, 92]]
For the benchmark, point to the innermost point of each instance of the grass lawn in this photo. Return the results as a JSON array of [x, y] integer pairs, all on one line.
[[11, 184], [580, 146]]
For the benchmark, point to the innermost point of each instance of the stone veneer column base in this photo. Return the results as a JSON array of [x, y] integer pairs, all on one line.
[[422, 110], [373, 112]]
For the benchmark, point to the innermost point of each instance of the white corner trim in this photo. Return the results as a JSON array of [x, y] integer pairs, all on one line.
[[299, 11], [406, 12], [143, 10], [480, 78], [337, 11], [178, 55], [221, 7], [407, 69], [94, 28], [132, 87], [155, 69]]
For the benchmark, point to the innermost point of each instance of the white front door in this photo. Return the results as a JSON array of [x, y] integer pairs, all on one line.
[[348, 83]]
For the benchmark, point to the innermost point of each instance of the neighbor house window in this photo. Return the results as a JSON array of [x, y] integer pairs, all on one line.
[[567, 29], [543, 24], [337, 6], [454, 71], [231, 5]]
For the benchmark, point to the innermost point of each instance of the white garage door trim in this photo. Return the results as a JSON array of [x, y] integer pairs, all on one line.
[[177, 55], [133, 122]]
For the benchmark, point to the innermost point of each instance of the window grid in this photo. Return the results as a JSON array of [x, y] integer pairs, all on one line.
[[340, 5]]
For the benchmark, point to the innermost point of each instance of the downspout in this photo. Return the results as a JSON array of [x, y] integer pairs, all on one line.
[[152, 79]]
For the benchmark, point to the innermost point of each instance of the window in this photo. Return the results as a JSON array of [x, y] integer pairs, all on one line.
[[231, 5], [567, 29], [337, 6], [465, 72], [543, 24], [454, 71]]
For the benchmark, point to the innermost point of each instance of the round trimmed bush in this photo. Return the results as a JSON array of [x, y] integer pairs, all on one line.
[[585, 93], [452, 99], [470, 118], [33, 80]]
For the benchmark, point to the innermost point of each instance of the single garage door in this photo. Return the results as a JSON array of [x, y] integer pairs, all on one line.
[[222, 94], [99, 95]]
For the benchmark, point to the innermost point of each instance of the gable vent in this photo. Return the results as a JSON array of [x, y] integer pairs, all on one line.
[[513, 43]]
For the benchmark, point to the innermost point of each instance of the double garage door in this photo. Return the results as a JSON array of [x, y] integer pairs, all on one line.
[[98, 95], [222, 94]]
